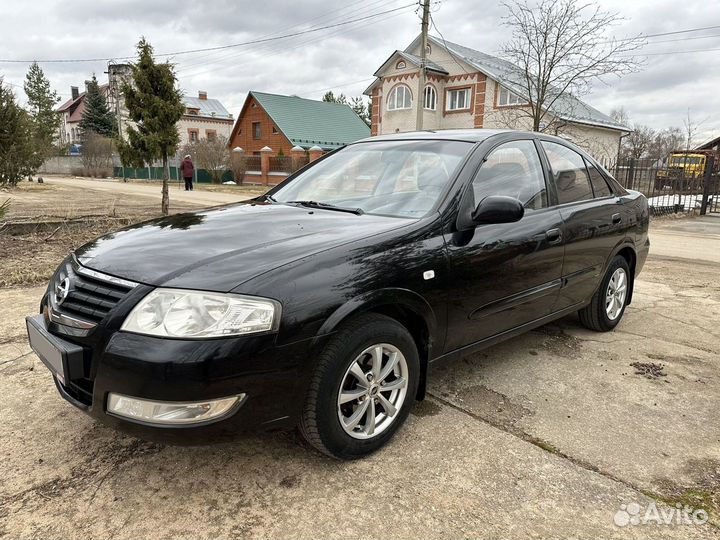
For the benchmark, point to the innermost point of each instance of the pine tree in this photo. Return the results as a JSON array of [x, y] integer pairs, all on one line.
[[97, 117], [18, 154], [155, 106], [358, 105], [41, 103], [330, 97]]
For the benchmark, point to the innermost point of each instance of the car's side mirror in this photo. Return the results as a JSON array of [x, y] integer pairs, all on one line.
[[498, 209]]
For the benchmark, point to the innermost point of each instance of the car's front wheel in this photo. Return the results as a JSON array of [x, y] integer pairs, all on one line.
[[362, 389], [607, 306]]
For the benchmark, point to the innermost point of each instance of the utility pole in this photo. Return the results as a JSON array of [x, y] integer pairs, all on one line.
[[423, 60]]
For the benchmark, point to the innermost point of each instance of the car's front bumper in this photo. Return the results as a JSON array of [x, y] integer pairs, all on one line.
[[271, 378]]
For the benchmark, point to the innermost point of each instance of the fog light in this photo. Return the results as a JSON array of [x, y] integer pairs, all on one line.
[[170, 413]]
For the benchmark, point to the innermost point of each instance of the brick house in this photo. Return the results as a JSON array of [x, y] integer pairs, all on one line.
[[283, 122], [204, 118], [466, 88], [71, 113]]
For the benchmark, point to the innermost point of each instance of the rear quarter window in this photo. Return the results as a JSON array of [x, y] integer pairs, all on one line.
[[599, 185], [569, 173]]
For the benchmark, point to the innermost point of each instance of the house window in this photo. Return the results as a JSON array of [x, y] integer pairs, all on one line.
[[193, 135], [210, 134], [430, 98], [400, 98], [506, 97], [458, 100], [257, 130], [400, 65]]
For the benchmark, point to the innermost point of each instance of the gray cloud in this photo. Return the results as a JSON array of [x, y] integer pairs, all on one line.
[[344, 58]]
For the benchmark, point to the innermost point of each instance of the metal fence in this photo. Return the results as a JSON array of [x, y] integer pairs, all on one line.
[[252, 163], [286, 164], [670, 190]]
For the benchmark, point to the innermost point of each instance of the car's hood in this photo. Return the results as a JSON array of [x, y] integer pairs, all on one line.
[[221, 248]]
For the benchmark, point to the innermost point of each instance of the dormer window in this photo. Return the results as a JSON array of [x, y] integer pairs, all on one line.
[[400, 65]]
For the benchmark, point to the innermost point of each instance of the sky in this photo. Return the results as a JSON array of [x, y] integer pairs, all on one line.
[[680, 71]]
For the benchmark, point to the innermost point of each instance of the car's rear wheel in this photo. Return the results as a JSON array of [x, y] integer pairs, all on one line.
[[607, 306], [363, 387]]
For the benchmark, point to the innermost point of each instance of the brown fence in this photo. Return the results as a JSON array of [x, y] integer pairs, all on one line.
[[670, 190], [252, 163], [286, 164]]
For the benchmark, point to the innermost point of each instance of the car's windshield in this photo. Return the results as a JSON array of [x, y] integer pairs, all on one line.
[[394, 178]]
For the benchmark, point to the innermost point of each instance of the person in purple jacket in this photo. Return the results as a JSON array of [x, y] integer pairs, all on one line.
[[188, 169]]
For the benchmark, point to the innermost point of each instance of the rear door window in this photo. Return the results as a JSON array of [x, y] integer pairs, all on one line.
[[569, 173], [599, 184]]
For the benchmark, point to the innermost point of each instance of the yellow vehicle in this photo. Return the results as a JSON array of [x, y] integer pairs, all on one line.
[[681, 168]]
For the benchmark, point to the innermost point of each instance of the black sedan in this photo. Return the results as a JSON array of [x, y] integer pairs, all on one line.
[[323, 303]]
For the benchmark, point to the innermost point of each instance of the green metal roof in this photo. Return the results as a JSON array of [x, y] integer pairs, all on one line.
[[306, 122]]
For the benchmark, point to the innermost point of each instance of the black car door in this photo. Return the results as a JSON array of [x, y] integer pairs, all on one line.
[[593, 222], [506, 274]]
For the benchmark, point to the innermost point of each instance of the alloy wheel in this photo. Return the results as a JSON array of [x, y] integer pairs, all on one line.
[[372, 391], [615, 294]]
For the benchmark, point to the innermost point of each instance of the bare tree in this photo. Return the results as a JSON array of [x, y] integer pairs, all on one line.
[[561, 48], [212, 155], [97, 155], [637, 143], [692, 127], [666, 141]]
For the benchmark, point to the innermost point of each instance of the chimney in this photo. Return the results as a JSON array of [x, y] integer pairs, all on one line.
[[74, 92], [202, 94]]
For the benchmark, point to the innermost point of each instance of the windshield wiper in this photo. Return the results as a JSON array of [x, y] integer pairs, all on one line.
[[328, 206]]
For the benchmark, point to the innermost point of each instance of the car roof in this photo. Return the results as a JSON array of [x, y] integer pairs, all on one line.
[[468, 135]]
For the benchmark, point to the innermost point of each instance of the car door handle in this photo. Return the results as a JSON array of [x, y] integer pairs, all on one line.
[[554, 236], [616, 219]]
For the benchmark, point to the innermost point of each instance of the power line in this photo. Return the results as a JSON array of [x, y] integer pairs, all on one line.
[[682, 39], [271, 52], [217, 48], [224, 57], [196, 61], [681, 31], [674, 52]]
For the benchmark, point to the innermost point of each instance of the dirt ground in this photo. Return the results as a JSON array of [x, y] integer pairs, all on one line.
[[46, 221], [561, 432]]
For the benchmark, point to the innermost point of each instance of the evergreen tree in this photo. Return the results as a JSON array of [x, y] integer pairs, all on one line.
[[330, 97], [18, 155], [41, 103], [155, 106], [97, 117], [358, 105]]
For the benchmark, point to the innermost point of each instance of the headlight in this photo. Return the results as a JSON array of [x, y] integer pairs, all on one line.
[[195, 314]]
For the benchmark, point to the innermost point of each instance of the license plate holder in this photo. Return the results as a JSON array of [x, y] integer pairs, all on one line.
[[57, 354]]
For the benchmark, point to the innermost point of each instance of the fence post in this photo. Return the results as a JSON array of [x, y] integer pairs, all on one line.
[[265, 152], [315, 152], [297, 152], [706, 184]]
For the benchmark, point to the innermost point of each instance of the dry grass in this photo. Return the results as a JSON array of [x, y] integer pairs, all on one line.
[[48, 221], [32, 257]]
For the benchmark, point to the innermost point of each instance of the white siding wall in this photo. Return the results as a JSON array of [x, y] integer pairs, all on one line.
[[202, 125]]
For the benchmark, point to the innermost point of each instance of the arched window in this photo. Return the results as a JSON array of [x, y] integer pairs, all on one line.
[[400, 65], [400, 98], [430, 98]]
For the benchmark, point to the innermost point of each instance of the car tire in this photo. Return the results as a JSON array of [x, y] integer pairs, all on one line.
[[607, 306], [345, 369]]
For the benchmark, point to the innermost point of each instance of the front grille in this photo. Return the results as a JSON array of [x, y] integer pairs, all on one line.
[[90, 295]]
